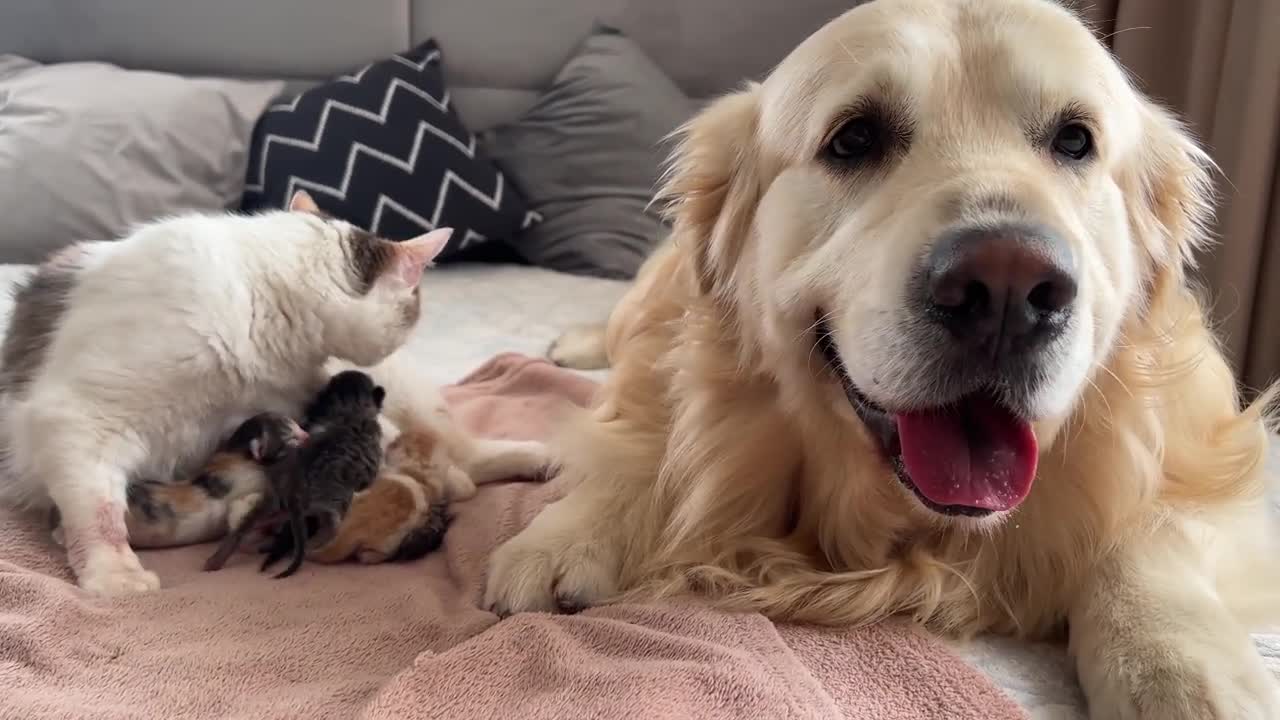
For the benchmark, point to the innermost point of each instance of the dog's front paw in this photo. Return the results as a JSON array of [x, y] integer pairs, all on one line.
[[1183, 681], [564, 561], [111, 574]]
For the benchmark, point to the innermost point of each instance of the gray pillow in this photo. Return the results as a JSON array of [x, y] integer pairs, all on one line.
[[88, 150], [588, 155]]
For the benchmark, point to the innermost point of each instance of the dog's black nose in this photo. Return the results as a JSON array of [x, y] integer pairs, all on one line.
[[1000, 288]]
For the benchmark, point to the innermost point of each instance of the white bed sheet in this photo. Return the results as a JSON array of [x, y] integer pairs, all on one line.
[[473, 312]]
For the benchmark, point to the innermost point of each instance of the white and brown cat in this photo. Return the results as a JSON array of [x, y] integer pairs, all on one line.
[[135, 358]]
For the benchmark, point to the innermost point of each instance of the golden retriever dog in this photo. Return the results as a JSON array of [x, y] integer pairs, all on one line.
[[924, 342]]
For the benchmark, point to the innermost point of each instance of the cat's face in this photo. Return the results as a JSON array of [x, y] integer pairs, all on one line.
[[374, 304]]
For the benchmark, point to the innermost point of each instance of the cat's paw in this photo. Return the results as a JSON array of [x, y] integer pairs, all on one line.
[[1179, 679], [564, 561], [580, 348], [108, 576]]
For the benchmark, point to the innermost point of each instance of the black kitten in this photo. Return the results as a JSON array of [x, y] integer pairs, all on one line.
[[341, 458]]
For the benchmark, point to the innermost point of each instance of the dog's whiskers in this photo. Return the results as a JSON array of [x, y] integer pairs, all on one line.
[[1110, 35], [820, 320], [1116, 377], [848, 52], [1108, 414]]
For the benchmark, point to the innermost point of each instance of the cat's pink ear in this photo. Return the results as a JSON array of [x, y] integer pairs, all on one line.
[[302, 202], [414, 255]]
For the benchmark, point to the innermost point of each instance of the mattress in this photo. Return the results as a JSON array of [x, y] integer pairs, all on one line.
[[473, 312]]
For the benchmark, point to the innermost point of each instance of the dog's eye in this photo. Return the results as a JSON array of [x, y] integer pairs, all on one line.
[[1073, 141], [856, 139]]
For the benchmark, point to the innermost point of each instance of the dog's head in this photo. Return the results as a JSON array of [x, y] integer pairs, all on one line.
[[940, 218]]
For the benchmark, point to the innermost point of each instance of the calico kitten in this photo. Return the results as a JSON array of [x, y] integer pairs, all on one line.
[[200, 509], [134, 358], [395, 519], [314, 487]]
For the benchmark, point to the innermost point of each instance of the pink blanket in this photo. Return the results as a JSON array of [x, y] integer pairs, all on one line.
[[407, 641]]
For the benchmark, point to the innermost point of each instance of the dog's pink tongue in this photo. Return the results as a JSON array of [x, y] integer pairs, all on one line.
[[975, 454]]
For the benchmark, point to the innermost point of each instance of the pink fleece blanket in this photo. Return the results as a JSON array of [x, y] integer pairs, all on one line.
[[408, 641]]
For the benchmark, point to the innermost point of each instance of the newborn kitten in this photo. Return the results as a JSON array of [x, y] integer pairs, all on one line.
[[312, 489], [394, 519], [200, 509], [135, 358], [342, 458]]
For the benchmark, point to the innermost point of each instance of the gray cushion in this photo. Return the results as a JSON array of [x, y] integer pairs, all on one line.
[[588, 155], [88, 150]]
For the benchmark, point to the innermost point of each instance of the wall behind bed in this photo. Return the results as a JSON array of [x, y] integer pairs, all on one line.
[[498, 53]]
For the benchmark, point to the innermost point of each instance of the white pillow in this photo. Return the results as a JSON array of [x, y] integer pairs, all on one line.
[[88, 150]]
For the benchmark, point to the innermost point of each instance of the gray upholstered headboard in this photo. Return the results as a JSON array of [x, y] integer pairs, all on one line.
[[497, 53]]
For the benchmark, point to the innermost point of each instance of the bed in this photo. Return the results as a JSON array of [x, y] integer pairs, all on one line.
[[474, 312]]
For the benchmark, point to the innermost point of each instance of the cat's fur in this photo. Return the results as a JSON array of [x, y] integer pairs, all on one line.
[[187, 511], [132, 359]]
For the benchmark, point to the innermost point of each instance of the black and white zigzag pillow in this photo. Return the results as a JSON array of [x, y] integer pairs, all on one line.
[[382, 148]]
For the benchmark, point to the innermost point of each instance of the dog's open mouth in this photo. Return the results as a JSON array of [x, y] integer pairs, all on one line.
[[971, 457]]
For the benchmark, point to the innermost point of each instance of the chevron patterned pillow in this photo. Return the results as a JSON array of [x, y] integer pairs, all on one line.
[[383, 148]]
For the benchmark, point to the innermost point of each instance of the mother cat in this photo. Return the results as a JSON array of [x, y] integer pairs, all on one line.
[[132, 359]]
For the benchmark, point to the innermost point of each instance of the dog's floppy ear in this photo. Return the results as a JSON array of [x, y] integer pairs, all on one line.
[[1169, 192], [711, 184]]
